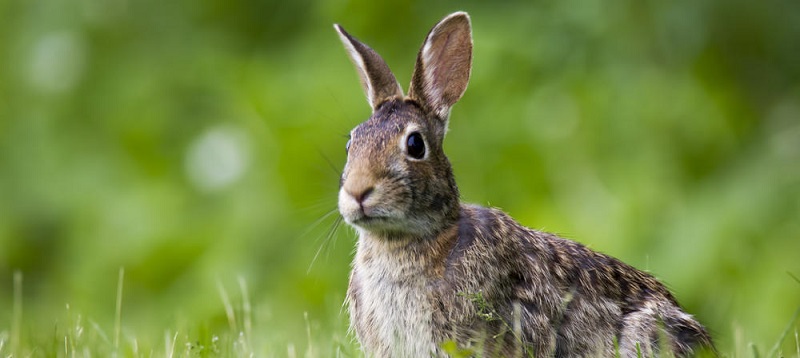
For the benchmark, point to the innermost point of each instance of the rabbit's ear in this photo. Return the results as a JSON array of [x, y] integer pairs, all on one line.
[[377, 79], [443, 65]]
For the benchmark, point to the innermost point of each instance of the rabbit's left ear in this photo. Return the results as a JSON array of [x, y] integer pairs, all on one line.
[[377, 79], [443, 65]]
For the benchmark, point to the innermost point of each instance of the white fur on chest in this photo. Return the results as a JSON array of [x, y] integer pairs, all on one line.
[[395, 304]]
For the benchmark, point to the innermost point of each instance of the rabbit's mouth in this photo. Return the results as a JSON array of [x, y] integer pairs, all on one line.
[[370, 221], [375, 223]]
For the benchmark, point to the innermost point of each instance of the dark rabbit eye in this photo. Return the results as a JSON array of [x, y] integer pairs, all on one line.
[[347, 146], [415, 146]]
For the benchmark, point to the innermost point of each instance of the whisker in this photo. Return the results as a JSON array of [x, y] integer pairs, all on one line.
[[330, 162], [317, 222], [314, 207], [331, 234], [332, 238]]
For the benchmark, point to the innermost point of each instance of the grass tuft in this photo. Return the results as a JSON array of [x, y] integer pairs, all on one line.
[[118, 310], [16, 328], [169, 345], [3, 337], [754, 350], [226, 302], [247, 312], [797, 343]]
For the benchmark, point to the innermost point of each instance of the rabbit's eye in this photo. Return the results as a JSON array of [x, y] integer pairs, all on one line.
[[415, 146], [347, 146]]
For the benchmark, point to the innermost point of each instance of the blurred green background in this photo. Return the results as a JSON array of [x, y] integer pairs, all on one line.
[[195, 143]]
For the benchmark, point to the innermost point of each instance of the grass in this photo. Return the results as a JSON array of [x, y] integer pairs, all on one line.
[[76, 336]]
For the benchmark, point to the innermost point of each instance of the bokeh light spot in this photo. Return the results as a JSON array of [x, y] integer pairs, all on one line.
[[57, 62], [217, 158]]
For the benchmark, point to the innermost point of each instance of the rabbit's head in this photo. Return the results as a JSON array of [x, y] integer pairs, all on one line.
[[397, 182]]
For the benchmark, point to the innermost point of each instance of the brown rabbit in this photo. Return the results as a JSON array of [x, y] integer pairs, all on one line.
[[431, 270]]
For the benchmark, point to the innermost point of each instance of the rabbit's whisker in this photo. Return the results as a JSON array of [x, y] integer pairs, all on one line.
[[330, 236]]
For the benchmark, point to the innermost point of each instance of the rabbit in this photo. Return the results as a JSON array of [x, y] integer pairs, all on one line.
[[430, 271]]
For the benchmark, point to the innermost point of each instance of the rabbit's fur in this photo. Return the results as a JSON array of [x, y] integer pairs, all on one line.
[[429, 269]]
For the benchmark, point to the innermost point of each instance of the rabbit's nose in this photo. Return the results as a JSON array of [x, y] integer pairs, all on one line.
[[361, 195], [359, 185]]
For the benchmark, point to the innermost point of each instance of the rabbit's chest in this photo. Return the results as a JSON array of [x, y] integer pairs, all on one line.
[[393, 317]]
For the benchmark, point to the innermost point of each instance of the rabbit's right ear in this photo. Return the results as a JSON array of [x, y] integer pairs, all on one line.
[[377, 79], [443, 65]]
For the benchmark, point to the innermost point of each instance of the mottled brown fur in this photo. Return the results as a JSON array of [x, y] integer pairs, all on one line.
[[429, 269]]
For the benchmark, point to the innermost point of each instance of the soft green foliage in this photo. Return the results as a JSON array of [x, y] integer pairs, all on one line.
[[452, 349], [483, 309], [196, 144]]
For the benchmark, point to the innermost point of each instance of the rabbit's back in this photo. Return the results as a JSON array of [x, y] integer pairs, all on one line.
[[563, 298]]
